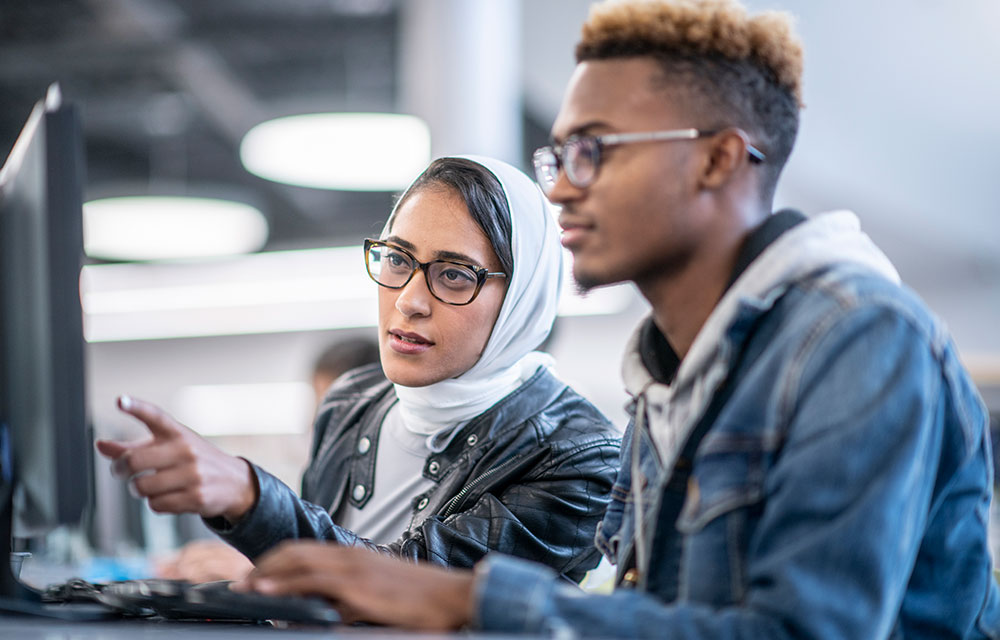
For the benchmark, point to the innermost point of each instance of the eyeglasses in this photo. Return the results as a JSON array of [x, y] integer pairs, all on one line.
[[580, 156], [450, 282]]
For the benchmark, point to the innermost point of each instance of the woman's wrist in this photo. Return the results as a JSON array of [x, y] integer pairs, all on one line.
[[246, 496]]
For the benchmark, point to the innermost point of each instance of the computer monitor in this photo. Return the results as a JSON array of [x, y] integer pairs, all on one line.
[[44, 446]]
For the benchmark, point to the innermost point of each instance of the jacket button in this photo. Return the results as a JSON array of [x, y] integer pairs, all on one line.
[[359, 491], [364, 444], [423, 503], [631, 578], [473, 439], [434, 467]]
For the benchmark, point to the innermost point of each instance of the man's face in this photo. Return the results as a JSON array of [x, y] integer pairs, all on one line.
[[638, 220]]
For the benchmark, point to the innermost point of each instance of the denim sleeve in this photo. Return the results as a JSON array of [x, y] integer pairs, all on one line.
[[516, 596], [844, 509]]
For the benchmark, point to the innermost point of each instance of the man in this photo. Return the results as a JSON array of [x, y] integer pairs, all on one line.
[[807, 456]]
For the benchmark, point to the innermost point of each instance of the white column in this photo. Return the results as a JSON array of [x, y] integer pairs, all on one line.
[[460, 71]]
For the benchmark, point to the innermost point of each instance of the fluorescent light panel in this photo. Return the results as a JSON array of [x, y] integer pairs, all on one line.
[[271, 292], [170, 227], [348, 151]]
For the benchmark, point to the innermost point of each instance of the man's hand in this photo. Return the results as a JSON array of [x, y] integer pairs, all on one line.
[[178, 470], [205, 561], [368, 587]]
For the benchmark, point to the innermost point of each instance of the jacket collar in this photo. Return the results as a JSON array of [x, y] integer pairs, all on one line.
[[658, 357], [823, 242], [784, 250], [511, 412]]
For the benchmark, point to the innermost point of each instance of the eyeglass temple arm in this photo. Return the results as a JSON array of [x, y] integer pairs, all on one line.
[[755, 154]]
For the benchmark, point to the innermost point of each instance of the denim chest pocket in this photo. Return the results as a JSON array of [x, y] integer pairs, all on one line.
[[721, 510]]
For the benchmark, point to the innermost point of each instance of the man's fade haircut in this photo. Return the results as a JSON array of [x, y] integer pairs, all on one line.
[[736, 69]]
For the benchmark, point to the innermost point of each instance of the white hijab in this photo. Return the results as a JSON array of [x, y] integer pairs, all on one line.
[[525, 319]]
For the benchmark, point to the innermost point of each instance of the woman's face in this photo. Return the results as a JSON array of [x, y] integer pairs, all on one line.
[[421, 339]]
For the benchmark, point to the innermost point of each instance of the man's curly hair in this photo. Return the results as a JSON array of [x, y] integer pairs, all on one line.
[[737, 69]]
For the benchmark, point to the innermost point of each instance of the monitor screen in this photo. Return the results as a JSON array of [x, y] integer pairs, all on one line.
[[44, 447]]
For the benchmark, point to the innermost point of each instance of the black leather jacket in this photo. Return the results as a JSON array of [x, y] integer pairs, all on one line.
[[529, 477]]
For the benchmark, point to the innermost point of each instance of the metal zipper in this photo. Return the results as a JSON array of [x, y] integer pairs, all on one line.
[[452, 504]]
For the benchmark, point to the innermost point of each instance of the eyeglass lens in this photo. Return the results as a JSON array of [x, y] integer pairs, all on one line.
[[578, 156], [449, 281]]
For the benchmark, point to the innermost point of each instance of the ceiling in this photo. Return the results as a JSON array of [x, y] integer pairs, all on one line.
[[167, 88], [900, 123]]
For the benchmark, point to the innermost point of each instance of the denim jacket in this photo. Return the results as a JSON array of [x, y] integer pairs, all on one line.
[[841, 491]]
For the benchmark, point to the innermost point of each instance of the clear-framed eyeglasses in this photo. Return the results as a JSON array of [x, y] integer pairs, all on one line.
[[580, 156], [450, 282]]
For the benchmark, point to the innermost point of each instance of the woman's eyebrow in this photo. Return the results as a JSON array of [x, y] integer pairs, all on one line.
[[403, 243], [438, 255], [454, 255]]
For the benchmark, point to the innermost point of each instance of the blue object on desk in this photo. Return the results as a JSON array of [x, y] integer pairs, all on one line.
[[109, 569]]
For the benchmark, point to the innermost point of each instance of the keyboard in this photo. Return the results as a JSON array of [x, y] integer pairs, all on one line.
[[181, 600]]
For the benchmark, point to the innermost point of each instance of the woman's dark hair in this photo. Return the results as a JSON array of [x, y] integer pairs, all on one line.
[[482, 194]]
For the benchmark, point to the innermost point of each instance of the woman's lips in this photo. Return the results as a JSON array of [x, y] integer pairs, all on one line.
[[408, 343]]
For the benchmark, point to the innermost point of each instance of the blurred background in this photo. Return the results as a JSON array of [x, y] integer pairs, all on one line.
[[219, 315]]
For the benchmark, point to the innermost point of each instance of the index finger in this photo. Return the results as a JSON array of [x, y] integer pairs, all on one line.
[[159, 423]]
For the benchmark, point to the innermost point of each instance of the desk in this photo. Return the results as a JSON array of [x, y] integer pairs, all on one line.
[[25, 628]]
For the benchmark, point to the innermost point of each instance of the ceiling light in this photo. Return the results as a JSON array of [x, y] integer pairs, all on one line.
[[170, 227], [349, 151]]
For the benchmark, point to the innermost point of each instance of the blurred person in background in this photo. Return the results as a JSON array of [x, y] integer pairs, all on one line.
[[338, 358], [206, 560], [464, 442]]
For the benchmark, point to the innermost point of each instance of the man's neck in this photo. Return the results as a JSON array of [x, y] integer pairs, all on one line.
[[683, 298], [682, 301]]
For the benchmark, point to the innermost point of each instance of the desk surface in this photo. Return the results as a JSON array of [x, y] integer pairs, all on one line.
[[27, 628]]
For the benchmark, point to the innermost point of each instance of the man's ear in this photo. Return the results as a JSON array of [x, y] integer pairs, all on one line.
[[727, 154]]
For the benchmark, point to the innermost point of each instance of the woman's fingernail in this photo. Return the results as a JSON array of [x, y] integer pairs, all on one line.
[[124, 403], [133, 490]]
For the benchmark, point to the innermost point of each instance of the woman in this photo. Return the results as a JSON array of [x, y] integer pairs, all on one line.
[[467, 443]]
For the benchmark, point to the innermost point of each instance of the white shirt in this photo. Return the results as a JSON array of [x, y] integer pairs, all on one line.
[[399, 464]]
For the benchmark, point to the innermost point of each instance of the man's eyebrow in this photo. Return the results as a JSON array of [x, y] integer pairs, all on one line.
[[438, 255], [580, 130]]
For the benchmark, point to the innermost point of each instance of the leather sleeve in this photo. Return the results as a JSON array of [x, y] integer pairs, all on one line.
[[280, 514], [546, 510]]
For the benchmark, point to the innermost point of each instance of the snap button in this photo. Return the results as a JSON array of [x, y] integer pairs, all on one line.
[[359, 491], [631, 578], [423, 503], [434, 467], [364, 444], [473, 439]]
